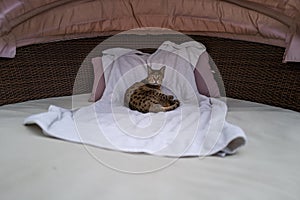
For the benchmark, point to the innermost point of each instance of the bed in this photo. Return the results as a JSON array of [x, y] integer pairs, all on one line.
[[255, 66]]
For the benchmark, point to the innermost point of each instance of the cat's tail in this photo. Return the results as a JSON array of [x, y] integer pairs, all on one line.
[[173, 106]]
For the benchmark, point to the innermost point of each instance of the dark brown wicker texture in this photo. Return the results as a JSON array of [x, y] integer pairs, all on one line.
[[250, 71]]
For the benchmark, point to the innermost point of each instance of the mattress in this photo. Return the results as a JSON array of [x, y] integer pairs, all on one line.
[[34, 166]]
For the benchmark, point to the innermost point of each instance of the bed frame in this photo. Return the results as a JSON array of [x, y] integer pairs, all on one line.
[[250, 71]]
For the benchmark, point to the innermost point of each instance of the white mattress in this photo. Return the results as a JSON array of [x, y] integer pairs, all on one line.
[[34, 166]]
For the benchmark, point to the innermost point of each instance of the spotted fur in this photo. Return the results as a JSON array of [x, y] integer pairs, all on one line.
[[146, 95]]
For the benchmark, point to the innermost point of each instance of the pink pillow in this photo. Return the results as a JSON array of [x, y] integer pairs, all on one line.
[[99, 81], [206, 84], [205, 81]]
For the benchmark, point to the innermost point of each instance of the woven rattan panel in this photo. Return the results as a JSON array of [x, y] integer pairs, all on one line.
[[43, 70], [255, 72], [250, 71]]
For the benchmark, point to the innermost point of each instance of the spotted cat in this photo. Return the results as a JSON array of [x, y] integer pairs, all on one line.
[[146, 95]]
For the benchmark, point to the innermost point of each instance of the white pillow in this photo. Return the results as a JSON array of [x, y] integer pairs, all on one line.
[[205, 82]]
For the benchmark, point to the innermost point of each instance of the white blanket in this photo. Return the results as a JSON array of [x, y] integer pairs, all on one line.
[[197, 128]]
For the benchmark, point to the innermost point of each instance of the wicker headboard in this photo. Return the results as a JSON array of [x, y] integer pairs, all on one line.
[[250, 71]]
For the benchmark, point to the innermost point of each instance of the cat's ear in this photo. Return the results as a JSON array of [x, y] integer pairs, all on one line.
[[162, 70], [149, 69]]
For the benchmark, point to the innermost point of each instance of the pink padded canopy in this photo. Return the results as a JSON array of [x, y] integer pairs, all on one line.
[[274, 22]]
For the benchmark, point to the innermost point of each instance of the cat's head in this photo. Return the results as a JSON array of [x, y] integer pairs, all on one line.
[[155, 77]]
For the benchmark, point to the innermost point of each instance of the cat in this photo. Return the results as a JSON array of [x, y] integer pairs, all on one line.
[[146, 96]]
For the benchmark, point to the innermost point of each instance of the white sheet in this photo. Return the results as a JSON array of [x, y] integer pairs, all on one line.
[[197, 128], [34, 166]]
